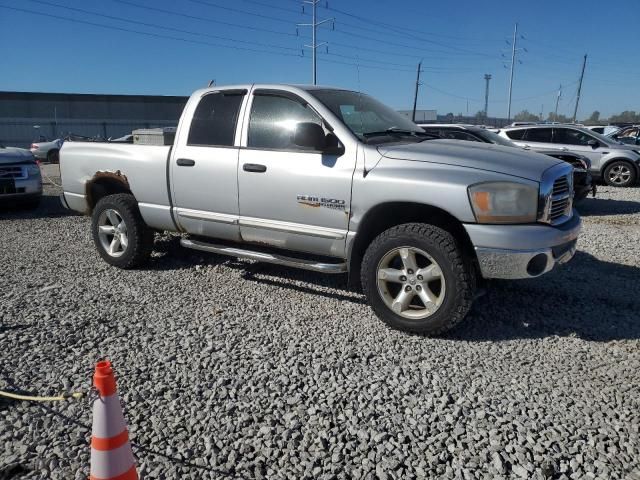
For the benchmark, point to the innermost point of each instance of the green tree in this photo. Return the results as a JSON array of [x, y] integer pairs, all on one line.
[[558, 118], [628, 116], [594, 118], [525, 116]]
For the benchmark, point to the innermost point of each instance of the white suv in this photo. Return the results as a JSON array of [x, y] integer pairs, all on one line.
[[617, 164]]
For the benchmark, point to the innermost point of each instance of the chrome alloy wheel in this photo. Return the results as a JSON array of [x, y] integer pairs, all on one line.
[[619, 174], [112, 232], [410, 283]]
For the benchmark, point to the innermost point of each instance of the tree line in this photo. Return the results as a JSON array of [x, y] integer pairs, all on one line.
[[628, 116]]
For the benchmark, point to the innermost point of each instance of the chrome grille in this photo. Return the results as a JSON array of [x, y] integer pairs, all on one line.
[[12, 172], [556, 195], [560, 186]]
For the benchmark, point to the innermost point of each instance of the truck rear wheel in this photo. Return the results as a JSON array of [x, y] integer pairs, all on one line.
[[416, 280], [119, 232]]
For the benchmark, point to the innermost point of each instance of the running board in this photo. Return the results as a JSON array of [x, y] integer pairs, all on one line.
[[265, 257]]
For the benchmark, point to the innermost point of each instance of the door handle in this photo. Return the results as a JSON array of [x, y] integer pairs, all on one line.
[[185, 162], [254, 167], [564, 149]]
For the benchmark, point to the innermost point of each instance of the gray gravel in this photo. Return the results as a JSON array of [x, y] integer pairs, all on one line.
[[229, 369]]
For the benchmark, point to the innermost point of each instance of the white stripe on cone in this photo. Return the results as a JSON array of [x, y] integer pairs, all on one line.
[[108, 420], [111, 463]]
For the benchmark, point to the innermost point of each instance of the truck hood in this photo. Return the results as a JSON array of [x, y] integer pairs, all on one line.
[[15, 155], [482, 156]]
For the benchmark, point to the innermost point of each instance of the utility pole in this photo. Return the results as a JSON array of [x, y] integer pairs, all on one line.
[[541, 112], [415, 96], [513, 61], [555, 115], [314, 26], [575, 110], [487, 78]]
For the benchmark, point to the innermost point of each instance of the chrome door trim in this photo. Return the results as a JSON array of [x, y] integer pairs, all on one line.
[[297, 228], [207, 216]]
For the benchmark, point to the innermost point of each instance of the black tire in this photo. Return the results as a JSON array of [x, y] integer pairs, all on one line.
[[616, 167], [442, 247], [53, 156], [139, 235]]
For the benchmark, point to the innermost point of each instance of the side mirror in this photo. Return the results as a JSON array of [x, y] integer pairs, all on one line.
[[310, 135], [593, 143], [333, 145]]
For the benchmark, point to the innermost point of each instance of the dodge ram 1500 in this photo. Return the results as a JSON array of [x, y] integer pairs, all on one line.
[[332, 181]]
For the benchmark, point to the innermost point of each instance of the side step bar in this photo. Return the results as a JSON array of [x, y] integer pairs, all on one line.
[[265, 257]]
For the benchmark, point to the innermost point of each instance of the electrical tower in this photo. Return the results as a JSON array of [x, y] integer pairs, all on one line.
[[575, 110], [514, 52], [314, 27], [487, 78], [415, 96], [555, 116]]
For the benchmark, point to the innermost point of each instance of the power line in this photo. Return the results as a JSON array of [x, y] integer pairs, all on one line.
[[400, 29], [203, 19], [163, 27], [237, 10], [148, 34]]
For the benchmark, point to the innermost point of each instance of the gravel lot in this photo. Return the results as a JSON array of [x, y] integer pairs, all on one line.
[[229, 369]]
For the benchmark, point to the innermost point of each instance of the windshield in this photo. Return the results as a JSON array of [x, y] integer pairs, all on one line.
[[495, 138], [367, 118], [602, 138]]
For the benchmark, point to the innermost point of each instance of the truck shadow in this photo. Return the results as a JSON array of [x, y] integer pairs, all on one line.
[[588, 298], [606, 207]]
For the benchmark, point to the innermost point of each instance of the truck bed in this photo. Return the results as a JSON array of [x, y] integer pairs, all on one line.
[[146, 175]]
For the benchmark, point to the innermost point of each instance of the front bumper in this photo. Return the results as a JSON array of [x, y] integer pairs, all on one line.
[[523, 251], [21, 189]]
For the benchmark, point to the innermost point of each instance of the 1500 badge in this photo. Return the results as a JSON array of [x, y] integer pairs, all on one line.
[[313, 201]]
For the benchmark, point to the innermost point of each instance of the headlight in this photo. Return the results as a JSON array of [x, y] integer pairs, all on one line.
[[33, 169], [504, 202]]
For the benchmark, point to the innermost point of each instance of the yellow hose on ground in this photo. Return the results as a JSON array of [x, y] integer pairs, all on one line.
[[29, 398]]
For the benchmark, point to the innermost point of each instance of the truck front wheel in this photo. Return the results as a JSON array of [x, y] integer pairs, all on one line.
[[119, 232], [415, 279]]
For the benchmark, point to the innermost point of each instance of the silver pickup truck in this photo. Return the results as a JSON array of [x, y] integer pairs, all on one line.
[[332, 181]]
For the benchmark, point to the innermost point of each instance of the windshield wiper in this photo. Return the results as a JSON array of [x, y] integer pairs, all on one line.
[[399, 132]]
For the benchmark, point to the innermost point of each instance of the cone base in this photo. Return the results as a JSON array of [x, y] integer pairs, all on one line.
[[130, 474]]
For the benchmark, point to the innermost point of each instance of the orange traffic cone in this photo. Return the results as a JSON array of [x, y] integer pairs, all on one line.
[[111, 455]]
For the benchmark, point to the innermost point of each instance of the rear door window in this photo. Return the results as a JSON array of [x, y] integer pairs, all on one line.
[[214, 121], [539, 135]]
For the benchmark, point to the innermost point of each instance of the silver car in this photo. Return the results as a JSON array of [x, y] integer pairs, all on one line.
[[47, 150], [615, 163]]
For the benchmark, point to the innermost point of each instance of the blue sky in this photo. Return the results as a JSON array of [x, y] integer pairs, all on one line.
[[246, 41]]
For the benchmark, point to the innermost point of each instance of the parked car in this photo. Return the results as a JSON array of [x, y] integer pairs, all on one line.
[[20, 178], [627, 135], [582, 180], [603, 129], [332, 181], [47, 150], [617, 164]]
